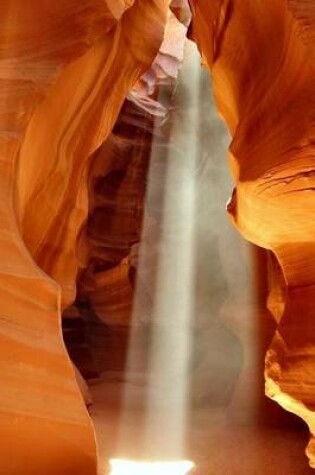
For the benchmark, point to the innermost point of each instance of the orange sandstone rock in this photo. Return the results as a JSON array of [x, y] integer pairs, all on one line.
[[261, 55], [65, 69], [117, 179]]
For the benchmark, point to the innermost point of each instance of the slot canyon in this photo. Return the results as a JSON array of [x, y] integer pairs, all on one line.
[[157, 270]]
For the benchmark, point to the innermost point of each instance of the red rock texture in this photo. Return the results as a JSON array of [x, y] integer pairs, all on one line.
[[66, 68], [70, 195], [117, 178], [261, 56], [117, 187]]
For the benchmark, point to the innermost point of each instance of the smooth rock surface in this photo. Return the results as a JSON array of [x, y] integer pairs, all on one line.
[[261, 56], [65, 70]]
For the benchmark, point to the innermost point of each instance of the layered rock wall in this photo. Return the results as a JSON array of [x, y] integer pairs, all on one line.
[[117, 180], [261, 56], [65, 69]]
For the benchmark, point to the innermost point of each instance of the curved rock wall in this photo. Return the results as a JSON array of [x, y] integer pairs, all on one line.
[[261, 56], [117, 185], [65, 69]]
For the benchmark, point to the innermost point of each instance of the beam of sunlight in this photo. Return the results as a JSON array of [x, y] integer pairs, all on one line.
[[169, 356], [171, 204], [127, 467]]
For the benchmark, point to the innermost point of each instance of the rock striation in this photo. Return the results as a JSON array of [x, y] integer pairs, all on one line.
[[261, 57], [65, 70], [81, 86], [117, 178]]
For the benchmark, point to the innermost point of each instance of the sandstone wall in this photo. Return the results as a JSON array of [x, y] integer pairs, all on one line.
[[261, 56], [65, 70]]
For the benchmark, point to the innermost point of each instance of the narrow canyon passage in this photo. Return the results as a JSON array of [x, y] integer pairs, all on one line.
[[132, 312], [184, 381]]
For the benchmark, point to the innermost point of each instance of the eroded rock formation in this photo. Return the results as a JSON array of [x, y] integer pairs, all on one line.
[[117, 185], [74, 156], [261, 56], [66, 69]]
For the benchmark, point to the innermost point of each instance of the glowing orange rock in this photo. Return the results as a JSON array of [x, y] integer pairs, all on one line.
[[66, 68], [117, 184], [261, 55]]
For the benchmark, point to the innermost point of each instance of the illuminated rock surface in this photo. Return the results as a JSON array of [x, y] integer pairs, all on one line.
[[74, 160], [261, 55], [65, 71], [117, 186], [232, 429]]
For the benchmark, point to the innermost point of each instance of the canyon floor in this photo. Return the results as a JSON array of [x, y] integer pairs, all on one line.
[[216, 443]]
